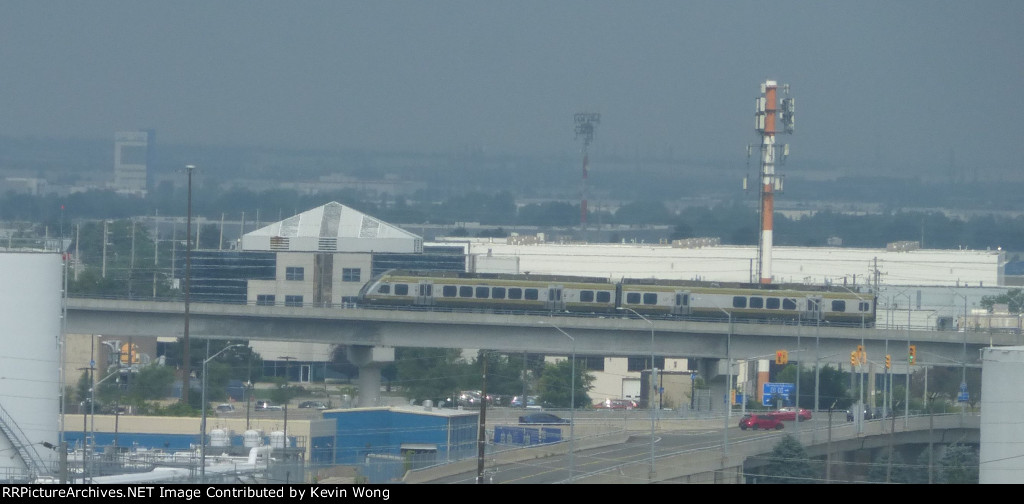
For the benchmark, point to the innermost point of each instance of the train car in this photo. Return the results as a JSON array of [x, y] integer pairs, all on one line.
[[490, 291], [742, 301], [667, 299]]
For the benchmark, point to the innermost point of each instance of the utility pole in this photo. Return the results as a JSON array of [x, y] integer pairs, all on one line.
[[188, 288], [481, 439]]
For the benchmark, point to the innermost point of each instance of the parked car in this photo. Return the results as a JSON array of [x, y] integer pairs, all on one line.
[[267, 406], [617, 404], [542, 419], [225, 408], [765, 422], [790, 414], [313, 405]]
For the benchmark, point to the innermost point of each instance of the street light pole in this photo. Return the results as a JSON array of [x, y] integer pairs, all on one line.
[[202, 427], [287, 396], [651, 389], [572, 406]]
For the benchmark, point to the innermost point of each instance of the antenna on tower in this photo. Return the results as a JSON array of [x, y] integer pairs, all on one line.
[[585, 122], [767, 109]]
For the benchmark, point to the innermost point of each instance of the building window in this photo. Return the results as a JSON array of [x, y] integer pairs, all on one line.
[[351, 274], [294, 273], [265, 300], [293, 300]]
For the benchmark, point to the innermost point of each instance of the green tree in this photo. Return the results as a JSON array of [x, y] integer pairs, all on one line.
[[1013, 298], [504, 376], [959, 465], [555, 385], [832, 386], [430, 373], [880, 470], [788, 464]]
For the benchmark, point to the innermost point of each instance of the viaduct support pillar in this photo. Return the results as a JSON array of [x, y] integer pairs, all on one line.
[[369, 359]]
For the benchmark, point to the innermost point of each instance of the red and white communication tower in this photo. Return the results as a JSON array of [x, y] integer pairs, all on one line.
[[585, 122], [769, 108]]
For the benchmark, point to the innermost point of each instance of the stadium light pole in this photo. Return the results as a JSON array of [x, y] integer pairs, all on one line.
[[650, 397], [202, 428], [572, 404]]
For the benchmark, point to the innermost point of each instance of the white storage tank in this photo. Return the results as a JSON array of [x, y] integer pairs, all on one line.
[[1002, 406], [277, 439], [252, 438], [30, 308], [220, 438]]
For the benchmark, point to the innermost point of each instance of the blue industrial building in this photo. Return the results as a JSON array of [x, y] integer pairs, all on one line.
[[390, 440]]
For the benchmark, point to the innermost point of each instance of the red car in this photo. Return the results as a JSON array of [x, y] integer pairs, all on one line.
[[617, 404], [756, 422], [790, 414]]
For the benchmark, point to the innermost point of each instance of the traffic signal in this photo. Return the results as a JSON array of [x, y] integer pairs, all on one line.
[[913, 355], [781, 357], [853, 358], [888, 361]]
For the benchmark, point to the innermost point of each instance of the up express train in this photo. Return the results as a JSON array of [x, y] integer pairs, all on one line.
[[655, 298]]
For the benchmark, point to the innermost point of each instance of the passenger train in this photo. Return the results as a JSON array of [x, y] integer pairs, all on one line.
[[654, 298]]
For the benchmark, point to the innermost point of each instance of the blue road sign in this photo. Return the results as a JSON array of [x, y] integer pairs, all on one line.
[[772, 391], [963, 396]]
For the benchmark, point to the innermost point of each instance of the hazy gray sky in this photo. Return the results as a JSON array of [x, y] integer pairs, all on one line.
[[880, 83]]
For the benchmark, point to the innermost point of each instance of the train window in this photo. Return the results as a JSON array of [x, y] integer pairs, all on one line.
[[682, 299], [604, 297], [633, 297], [515, 293], [384, 289], [449, 291], [739, 301], [865, 306], [587, 296], [838, 305], [498, 293], [756, 302], [772, 303], [788, 304], [401, 289], [465, 291], [532, 294], [482, 292], [554, 294], [812, 305], [650, 298], [426, 290]]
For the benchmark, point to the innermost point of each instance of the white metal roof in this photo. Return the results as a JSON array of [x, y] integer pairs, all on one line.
[[332, 228], [736, 263]]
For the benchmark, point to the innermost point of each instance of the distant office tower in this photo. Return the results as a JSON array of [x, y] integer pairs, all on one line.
[[132, 156]]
